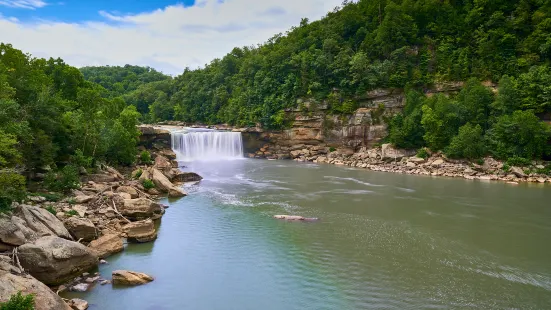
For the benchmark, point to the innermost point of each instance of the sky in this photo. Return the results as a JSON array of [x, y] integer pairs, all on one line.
[[166, 35]]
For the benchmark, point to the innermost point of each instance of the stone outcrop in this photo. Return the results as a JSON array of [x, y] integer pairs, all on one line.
[[53, 260], [81, 229], [163, 184], [128, 190], [140, 232], [13, 280], [389, 152], [183, 177], [107, 245], [140, 208], [130, 278]]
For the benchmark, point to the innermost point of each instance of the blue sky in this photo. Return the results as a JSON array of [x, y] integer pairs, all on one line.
[[163, 34]]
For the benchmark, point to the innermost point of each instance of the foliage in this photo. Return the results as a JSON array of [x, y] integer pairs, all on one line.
[[518, 161], [63, 180], [51, 210], [19, 302], [332, 149], [12, 189], [145, 157], [148, 184], [423, 153], [80, 160], [469, 143], [52, 197], [71, 213], [405, 130], [520, 134], [138, 174]]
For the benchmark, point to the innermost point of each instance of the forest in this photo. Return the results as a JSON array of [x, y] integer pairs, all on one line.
[[57, 117]]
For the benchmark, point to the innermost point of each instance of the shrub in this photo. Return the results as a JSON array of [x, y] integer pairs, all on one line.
[[51, 210], [148, 184], [71, 201], [19, 302], [80, 160], [332, 149], [71, 213], [145, 157], [423, 153], [518, 161], [138, 174], [506, 167], [12, 188], [52, 197], [64, 180], [469, 143]]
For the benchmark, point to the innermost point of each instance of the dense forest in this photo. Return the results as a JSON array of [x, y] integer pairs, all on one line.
[[54, 116]]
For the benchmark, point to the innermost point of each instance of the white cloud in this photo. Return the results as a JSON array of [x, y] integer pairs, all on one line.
[[168, 39], [23, 4]]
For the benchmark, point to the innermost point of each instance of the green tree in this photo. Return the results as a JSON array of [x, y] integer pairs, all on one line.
[[469, 143]]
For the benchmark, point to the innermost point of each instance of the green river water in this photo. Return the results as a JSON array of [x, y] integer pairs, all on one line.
[[384, 241]]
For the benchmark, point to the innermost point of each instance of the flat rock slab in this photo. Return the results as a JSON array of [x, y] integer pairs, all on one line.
[[126, 277]]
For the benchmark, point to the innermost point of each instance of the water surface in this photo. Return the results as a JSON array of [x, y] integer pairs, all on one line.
[[385, 241]]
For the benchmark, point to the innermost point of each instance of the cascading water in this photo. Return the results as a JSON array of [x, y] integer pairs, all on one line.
[[206, 145]]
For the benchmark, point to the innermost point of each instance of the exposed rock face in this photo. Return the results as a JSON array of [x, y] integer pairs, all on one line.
[[164, 185], [107, 245], [12, 280], [125, 277], [53, 260], [140, 232], [140, 208], [81, 229], [389, 152]]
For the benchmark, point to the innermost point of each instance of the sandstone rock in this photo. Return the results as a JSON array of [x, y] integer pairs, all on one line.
[[78, 304], [186, 177], [389, 152], [128, 190], [36, 222], [141, 231], [411, 164], [176, 192], [437, 163], [83, 199], [125, 277], [518, 172], [81, 210], [53, 260], [81, 229], [13, 281], [101, 178], [107, 245], [9, 232], [140, 208], [162, 163], [124, 195], [163, 184], [168, 153], [81, 287], [417, 160]]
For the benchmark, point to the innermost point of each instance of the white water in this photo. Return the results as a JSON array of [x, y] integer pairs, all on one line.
[[206, 145]]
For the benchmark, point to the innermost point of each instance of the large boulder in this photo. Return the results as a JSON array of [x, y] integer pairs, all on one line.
[[518, 172], [125, 277], [140, 232], [140, 208], [101, 178], [162, 163], [163, 184], [81, 229], [183, 177], [107, 245], [389, 152], [53, 260], [9, 232], [12, 281]]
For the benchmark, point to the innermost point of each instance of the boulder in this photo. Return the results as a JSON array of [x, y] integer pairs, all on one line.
[[389, 152], [176, 192], [36, 222], [81, 229], [129, 190], [125, 277], [12, 281], [417, 160], [10, 234], [140, 232], [437, 163], [163, 184], [101, 178], [140, 208], [81, 210], [83, 199], [162, 163], [518, 172], [78, 304], [183, 177], [289, 217], [53, 260], [107, 245], [168, 153]]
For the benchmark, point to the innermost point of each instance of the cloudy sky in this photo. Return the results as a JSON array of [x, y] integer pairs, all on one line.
[[164, 34]]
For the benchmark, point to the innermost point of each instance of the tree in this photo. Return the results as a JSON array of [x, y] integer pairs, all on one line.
[[508, 99], [469, 143]]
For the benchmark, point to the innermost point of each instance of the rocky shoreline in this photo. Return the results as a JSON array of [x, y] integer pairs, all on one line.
[[48, 246]]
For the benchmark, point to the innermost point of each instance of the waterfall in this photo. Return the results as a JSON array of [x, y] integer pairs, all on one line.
[[206, 145]]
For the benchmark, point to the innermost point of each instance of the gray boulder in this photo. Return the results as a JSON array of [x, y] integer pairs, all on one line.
[[389, 152], [81, 229], [53, 260]]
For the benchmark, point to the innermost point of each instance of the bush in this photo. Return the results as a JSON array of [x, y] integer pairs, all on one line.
[[423, 153], [51, 197], [71, 213], [63, 181], [518, 161], [148, 184], [332, 149], [506, 167], [145, 157], [19, 302], [51, 210], [469, 143], [138, 174], [80, 160], [12, 188]]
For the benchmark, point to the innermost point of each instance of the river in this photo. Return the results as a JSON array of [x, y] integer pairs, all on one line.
[[384, 241]]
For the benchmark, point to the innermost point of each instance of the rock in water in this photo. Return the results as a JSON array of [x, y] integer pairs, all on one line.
[[140, 232], [81, 229], [107, 245], [295, 218], [140, 208], [12, 280], [125, 277], [53, 260], [78, 304]]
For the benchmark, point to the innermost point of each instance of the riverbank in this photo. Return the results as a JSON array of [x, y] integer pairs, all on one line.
[[54, 241]]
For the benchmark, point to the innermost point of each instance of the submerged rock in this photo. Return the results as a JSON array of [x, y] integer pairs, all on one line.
[[125, 277], [53, 260], [295, 218]]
